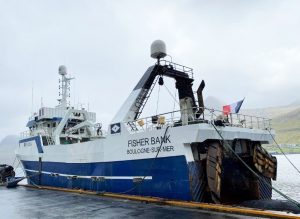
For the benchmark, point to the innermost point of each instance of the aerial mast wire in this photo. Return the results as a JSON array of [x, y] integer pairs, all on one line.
[[32, 98], [65, 87]]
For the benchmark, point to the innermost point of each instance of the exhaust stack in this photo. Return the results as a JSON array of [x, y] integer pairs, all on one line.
[[200, 98]]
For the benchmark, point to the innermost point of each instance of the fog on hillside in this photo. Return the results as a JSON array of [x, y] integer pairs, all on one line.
[[7, 149]]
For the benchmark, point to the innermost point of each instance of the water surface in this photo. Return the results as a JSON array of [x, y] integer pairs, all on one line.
[[288, 179]]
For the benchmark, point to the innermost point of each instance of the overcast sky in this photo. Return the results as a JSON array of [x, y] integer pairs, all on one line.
[[241, 48]]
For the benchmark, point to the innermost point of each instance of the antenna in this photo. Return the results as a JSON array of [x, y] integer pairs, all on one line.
[[74, 93], [32, 98], [42, 102], [64, 87], [158, 50]]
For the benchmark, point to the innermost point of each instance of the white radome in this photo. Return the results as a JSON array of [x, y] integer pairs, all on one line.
[[62, 70], [158, 49]]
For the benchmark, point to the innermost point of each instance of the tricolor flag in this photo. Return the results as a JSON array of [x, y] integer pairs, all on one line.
[[233, 108]]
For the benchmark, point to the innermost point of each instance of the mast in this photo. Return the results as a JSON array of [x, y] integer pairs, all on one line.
[[64, 87], [183, 76]]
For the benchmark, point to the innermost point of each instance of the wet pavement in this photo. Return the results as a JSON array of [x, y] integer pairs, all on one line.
[[24, 202]]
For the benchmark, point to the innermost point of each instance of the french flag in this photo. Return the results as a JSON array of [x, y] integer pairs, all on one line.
[[232, 108]]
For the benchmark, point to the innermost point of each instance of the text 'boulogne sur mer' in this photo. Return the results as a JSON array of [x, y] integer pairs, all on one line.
[[138, 146]]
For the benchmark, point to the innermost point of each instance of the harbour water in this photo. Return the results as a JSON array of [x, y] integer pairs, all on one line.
[[33, 203], [288, 179]]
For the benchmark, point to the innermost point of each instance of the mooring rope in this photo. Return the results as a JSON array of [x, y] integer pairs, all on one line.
[[157, 102], [14, 161], [174, 97], [283, 152], [16, 168], [252, 171], [28, 177], [151, 166], [33, 183], [138, 183]]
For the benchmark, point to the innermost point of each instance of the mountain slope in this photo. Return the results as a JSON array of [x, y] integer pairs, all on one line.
[[287, 127], [285, 121], [270, 112], [7, 149]]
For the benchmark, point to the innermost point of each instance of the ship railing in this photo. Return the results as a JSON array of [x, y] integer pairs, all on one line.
[[194, 116], [47, 133], [238, 119], [25, 134], [178, 67]]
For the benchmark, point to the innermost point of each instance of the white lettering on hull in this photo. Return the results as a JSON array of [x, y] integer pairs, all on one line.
[[150, 145]]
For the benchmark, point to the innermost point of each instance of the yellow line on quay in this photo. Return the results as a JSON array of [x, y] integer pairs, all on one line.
[[198, 205]]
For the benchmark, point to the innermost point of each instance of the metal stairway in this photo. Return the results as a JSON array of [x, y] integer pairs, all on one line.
[[143, 98]]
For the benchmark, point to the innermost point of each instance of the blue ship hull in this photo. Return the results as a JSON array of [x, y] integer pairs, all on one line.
[[170, 176]]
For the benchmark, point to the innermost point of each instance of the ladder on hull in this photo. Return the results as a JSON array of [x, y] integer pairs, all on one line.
[[143, 98]]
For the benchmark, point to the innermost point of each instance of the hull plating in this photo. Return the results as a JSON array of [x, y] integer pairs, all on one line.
[[165, 177]]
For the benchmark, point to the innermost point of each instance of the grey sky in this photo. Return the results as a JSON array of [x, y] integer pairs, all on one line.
[[241, 48]]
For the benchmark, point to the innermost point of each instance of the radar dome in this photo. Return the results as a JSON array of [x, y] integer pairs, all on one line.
[[158, 49], [62, 70]]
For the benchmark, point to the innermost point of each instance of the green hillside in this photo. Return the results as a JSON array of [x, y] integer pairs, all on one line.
[[285, 121], [287, 127]]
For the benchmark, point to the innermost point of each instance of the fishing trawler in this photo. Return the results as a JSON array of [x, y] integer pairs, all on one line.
[[193, 154]]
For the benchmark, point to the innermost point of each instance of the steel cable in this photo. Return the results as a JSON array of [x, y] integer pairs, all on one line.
[[283, 152], [252, 171], [151, 166]]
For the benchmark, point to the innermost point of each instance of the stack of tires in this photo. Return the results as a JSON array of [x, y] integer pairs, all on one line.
[[5, 172]]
